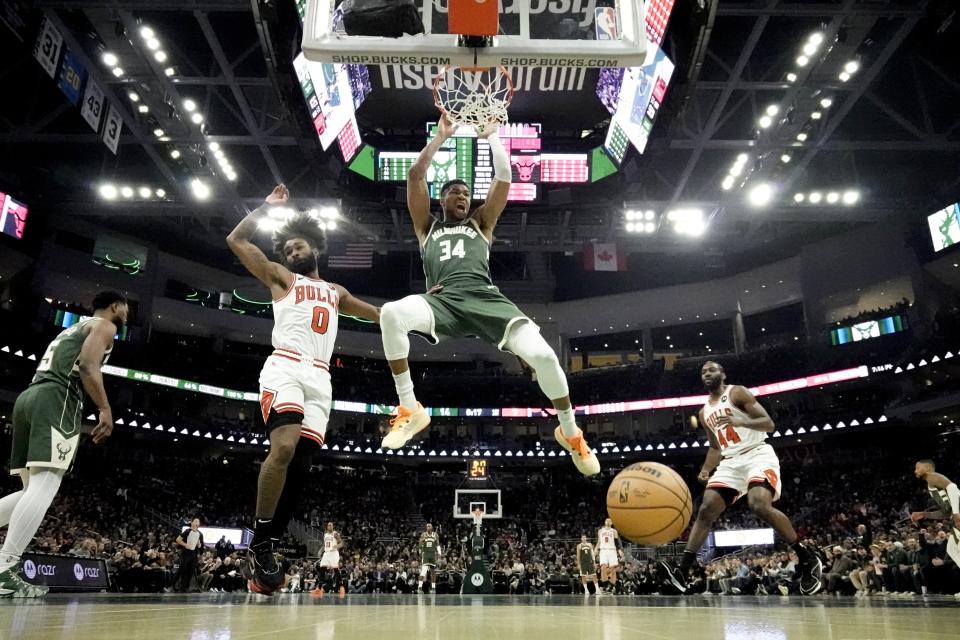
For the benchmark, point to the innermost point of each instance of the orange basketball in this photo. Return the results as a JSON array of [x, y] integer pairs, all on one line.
[[649, 503]]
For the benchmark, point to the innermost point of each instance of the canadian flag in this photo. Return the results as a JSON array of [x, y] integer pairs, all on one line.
[[604, 256]]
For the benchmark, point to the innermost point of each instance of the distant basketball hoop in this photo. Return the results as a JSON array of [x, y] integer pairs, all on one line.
[[475, 96]]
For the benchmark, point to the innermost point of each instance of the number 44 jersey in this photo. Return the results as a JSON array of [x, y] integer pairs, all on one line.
[[732, 440]]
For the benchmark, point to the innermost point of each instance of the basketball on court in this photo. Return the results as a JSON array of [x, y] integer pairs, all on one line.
[[649, 503]]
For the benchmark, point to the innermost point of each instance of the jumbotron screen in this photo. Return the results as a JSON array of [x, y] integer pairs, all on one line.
[[945, 227], [465, 156], [13, 216]]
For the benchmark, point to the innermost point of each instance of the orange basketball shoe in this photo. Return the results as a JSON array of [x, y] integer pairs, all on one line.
[[583, 458]]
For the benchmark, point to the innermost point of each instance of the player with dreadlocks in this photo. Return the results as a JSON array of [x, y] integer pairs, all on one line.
[[295, 393]]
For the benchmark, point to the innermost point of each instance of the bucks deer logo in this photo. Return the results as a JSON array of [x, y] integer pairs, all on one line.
[[63, 452]]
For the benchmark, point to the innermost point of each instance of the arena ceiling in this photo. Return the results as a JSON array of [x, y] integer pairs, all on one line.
[[891, 132]]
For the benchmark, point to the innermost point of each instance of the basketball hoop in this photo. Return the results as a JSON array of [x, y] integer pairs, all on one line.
[[477, 518], [474, 96]]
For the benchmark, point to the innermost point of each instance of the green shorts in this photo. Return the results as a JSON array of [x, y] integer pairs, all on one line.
[[46, 428], [472, 312]]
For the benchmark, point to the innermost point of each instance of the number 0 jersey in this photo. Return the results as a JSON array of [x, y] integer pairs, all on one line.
[[456, 252], [305, 319], [732, 440], [608, 538]]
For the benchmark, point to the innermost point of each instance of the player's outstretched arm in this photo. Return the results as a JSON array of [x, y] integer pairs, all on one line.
[[759, 419], [418, 195], [489, 212], [98, 340], [273, 275], [354, 306]]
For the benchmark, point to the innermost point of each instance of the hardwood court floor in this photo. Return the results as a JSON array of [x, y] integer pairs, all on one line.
[[299, 617]]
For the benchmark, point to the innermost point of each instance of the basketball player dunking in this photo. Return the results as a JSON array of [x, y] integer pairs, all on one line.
[[462, 300], [295, 393], [429, 550], [946, 499], [610, 553], [586, 565], [46, 428], [329, 562], [739, 462]]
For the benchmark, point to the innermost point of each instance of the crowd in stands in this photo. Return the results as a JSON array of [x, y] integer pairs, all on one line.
[[125, 502]]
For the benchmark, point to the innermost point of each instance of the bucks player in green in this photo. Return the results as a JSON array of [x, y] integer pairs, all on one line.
[[46, 428], [586, 565], [462, 300], [946, 499], [429, 548]]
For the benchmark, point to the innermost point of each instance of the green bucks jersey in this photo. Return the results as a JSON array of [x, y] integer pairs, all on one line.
[[942, 500], [456, 252], [428, 548], [585, 553], [61, 361]]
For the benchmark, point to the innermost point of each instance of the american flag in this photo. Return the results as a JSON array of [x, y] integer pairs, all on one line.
[[352, 256]]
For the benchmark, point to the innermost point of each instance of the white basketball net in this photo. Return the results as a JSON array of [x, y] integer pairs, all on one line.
[[478, 97]]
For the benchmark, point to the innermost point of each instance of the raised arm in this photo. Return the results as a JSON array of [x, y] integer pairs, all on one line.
[[418, 195], [713, 453], [354, 306], [98, 340], [489, 212], [759, 419], [273, 275]]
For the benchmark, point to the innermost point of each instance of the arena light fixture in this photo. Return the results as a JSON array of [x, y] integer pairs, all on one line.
[[826, 103], [649, 227], [727, 183], [815, 197], [214, 146], [687, 221], [833, 197], [107, 191], [791, 77], [331, 225], [158, 132], [189, 105], [798, 197], [153, 44], [785, 158], [143, 108], [852, 67], [117, 71], [197, 118], [630, 227], [145, 192], [760, 195], [851, 197], [816, 38], [175, 154], [649, 216], [160, 56], [110, 59], [816, 115], [802, 61], [161, 193], [146, 32], [169, 71], [765, 121], [134, 97], [844, 76], [802, 137], [809, 49], [772, 110], [126, 192], [329, 213], [231, 176], [200, 189]]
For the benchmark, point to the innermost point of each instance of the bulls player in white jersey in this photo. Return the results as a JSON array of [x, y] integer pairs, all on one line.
[[740, 463], [609, 553], [295, 394], [329, 562]]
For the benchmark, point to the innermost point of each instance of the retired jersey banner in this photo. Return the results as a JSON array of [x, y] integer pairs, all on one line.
[[604, 256]]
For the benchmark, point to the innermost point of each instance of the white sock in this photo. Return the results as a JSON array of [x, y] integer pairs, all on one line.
[[28, 513], [404, 384], [567, 423]]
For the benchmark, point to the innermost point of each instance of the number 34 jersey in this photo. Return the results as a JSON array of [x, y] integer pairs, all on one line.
[[732, 440], [305, 319], [456, 252]]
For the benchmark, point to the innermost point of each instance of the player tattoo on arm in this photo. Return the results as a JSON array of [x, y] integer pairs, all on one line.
[[354, 306]]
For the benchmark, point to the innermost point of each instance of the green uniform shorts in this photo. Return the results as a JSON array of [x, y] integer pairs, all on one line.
[[46, 427]]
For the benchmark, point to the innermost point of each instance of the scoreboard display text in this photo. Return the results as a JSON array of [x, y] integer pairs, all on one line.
[[477, 470]]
